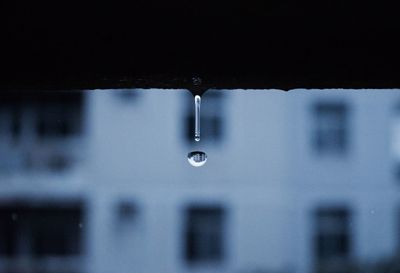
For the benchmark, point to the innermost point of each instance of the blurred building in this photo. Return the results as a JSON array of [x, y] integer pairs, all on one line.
[[298, 182]]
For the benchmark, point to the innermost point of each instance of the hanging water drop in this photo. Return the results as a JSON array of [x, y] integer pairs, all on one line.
[[197, 102], [197, 158]]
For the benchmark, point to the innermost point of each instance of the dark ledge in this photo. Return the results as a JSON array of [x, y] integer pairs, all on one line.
[[280, 44]]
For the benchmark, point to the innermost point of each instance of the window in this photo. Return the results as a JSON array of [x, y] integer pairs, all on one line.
[[10, 121], [40, 231], [126, 211], [127, 95], [59, 117], [332, 237], [204, 240], [39, 130], [52, 115], [211, 128], [330, 132]]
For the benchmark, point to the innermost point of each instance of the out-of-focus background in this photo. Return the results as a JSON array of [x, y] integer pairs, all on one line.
[[295, 182]]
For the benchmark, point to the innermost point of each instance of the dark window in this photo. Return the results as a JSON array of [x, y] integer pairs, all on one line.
[[332, 236], [330, 128], [127, 95], [10, 120], [40, 231], [53, 114], [126, 210], [29, 119], [59, 117], [204, 240], [211, 127]]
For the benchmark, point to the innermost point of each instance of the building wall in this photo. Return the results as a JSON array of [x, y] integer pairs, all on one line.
[[244, 173], [362, 179], [136, 183]]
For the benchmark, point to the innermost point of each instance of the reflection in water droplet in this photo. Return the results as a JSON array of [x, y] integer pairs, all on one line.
[[197, 158]]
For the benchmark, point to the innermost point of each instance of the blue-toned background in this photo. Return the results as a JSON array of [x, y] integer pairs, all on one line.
[[295, 182]]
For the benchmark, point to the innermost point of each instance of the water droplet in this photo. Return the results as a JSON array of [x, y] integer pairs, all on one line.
[[197, 103], [197, 158]]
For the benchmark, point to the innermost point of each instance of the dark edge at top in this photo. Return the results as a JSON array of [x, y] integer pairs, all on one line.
[[236, 44]]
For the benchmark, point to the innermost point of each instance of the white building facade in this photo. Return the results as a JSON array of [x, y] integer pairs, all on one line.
[[294, 182]]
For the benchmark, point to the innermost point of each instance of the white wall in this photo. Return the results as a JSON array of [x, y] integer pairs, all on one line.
[[263, 172]]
